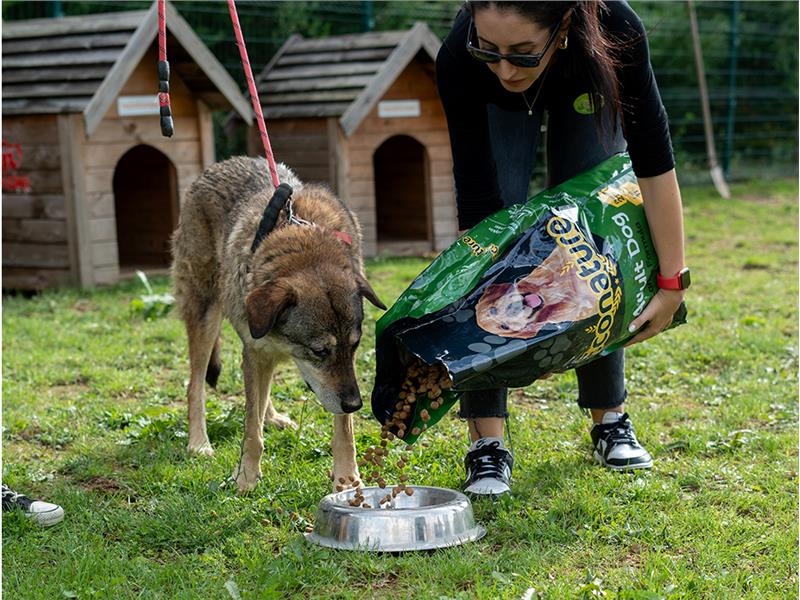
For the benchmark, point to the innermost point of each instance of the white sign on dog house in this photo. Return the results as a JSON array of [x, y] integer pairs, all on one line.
[[395, 109]]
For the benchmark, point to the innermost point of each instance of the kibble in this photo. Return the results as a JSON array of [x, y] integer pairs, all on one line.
[[420, 379]]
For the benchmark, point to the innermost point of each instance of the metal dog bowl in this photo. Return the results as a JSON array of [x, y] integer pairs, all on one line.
[[431, 518]]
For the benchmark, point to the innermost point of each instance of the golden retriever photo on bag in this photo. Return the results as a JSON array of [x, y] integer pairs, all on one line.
[[551, 293], [297, 296]]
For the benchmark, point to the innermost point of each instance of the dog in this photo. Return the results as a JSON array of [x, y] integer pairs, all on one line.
[[297, 296], [551, 293]]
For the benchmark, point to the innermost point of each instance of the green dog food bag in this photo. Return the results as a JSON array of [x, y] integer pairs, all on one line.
[[536, 288]]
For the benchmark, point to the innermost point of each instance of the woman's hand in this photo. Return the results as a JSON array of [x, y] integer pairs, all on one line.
[[656, 316]]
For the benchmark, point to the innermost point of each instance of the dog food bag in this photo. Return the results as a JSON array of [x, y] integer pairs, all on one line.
[[534, 289]]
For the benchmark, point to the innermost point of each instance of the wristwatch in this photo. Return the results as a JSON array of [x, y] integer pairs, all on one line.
[[680, 281]]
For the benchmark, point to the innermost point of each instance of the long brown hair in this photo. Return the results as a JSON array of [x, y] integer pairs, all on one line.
[[590, 50]]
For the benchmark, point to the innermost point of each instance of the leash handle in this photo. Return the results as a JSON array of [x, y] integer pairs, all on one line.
[[167, 126], [279, 199], [248, 73]]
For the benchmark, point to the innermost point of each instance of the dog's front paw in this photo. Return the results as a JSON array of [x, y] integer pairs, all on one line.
[[202, 448], [246, 478], [280, 421]]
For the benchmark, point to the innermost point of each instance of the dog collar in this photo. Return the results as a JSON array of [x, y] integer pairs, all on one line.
[[295, 220]]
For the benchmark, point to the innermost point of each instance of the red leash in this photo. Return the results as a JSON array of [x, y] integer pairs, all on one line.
[[167, 128], [248, 73]]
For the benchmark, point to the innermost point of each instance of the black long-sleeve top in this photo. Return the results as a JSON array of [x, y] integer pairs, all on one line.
[[467, 86]]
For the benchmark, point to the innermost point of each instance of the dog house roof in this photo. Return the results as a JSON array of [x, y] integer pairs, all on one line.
[[79, 64], [342, 76]]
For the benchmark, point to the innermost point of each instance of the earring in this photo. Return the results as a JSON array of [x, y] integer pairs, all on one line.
[[564, 43]]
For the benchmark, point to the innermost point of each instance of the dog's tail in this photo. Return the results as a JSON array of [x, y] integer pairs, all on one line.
[[214, 365]]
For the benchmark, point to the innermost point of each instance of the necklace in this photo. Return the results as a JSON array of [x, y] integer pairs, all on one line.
[[536, 97]]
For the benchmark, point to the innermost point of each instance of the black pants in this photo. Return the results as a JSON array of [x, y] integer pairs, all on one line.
[[573, 146]]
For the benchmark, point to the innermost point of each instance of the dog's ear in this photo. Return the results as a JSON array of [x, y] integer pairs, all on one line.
[[265, 304], [365, 289]]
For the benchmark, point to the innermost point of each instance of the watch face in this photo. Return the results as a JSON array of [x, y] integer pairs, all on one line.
[[684, 278]]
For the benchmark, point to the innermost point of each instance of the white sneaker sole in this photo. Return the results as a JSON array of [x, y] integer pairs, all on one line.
[[631, 467]]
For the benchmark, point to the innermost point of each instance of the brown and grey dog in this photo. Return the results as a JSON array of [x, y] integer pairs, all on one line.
[[298, 296]]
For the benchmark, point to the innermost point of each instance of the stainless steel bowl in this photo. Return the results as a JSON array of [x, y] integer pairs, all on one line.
[[431, 518]]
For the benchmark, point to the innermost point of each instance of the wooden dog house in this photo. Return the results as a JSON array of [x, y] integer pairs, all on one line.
[[90, 186], [362, 114]]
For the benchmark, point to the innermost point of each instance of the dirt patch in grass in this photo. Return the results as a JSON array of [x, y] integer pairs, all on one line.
[[107, 486]]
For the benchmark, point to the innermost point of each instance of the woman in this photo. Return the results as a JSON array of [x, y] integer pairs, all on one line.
[[586, 66]]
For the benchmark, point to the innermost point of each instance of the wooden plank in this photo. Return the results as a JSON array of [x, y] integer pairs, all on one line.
[[53, 207], [19, 206], [104, 254], [300, 142], [442, 183], [206, 128], [361, 171], [106, 275], [72, 138], [67, 59], [332, 142], [107, 155], [100, 205], [117, 21], [341, 56], [34, 279], [305, 97], [50, 106], [44, 182], [53, 256], [382, 39], [369, 140], [46, 90], [34, 230], [445, 211], [297, 127], [73, 42], [362, 188], [54, 74], [29, 130], [330, 83], [98, 180], [103, 229], [143, 130], [322, 70], [40, 157], [333, 109]]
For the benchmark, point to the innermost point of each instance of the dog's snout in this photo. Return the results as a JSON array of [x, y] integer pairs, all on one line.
[[351, 401], [351, 407]]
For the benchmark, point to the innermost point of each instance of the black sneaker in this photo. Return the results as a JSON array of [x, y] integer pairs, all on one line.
[[42, 513], [488, 466], [616, 446]]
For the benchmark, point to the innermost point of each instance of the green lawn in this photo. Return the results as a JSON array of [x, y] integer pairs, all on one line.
[[94, 419]]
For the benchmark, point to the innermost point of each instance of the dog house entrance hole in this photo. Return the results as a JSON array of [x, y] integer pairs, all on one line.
[[146, 205], [401, 196]]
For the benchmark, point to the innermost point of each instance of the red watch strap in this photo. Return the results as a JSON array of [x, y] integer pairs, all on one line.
[[679, 281], [668, 283]]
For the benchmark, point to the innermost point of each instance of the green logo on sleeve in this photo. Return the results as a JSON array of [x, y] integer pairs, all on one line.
[[584, 106]]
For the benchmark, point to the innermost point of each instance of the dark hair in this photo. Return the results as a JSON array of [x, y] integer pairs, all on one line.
[[590, 49]]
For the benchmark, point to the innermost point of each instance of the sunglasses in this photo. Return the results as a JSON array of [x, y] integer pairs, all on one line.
[[525, 61]]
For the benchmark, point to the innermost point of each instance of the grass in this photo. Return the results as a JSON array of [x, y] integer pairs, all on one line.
[[94, 419]]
